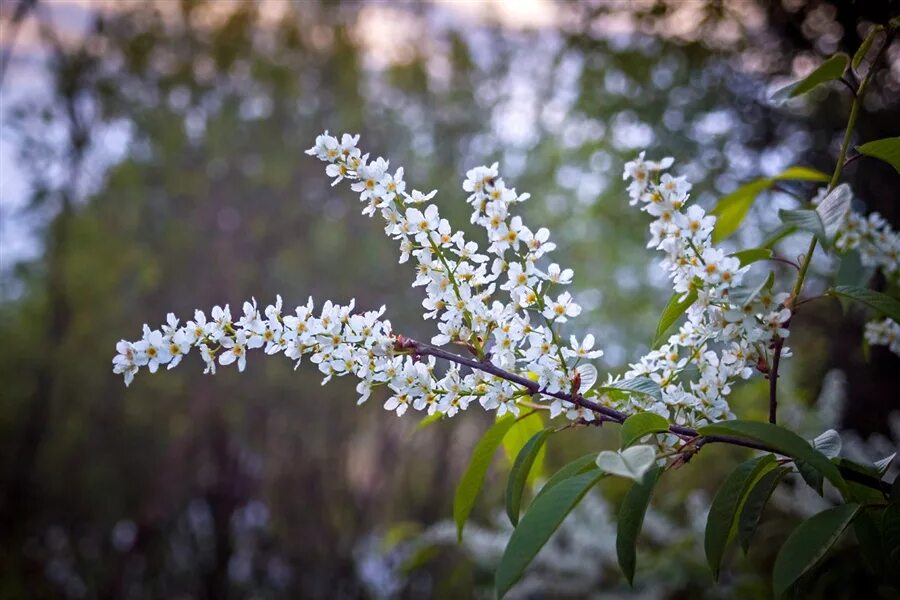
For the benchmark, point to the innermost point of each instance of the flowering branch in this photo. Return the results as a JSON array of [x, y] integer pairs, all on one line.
[[858, 94]]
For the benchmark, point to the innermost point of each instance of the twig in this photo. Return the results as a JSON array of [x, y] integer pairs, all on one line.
[[785, 261], [804, 266], [849, 86]]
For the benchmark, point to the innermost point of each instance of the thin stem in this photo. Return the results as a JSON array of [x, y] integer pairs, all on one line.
[[849, 86], [807, 258], [785, 261]]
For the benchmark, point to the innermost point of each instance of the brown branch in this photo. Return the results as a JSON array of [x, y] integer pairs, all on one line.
[[773, 380], [605, 413]]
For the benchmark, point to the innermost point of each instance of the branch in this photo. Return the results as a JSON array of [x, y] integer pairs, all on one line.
[[405, 344], [605, 413]]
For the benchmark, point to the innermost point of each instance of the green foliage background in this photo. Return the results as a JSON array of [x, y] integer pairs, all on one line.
[[213, 201]]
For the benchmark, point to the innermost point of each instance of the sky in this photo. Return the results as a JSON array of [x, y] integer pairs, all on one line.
[[26, 79]]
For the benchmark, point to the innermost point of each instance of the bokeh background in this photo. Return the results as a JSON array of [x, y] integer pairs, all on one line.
[[151, 161]]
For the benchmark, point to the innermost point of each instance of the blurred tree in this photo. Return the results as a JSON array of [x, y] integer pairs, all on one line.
[[266, 483]]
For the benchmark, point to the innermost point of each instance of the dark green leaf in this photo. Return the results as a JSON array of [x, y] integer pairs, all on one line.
[[781, 440], [808, 544], [725, 506], [540, 521], [576, 467], [857, 491], [752, 255], [887, 150], [755, 504], [890, 532], [810, 475], [731, 209], [519, 473], [640, 424], [671, 313], [863, 49], [631, 519], [639, 385], [831, 69], [852, 272], [883, 303], [472, 480], [865, 527]]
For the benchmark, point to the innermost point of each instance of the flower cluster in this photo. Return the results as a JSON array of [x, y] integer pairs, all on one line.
[[878, 245], [730, 329], [496, 303], [338, 340], [885, 332], [500, 305]]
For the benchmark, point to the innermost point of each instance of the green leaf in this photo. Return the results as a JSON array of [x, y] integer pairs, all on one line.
[[671, 313], [852, 272], [833, 211], [856, 491], [631, 519], [744, 294], [419, 558], [544, 516], [639, 385], [778, 236], [805, 220], [752, 255], [519, 473], [811, 476], [831, 69], [518, 435], [863, 49], [781, 440], [755, 503], [883, 303], [732, 209], [828, 217], [887, 150], [869, 537], [576, 467], [829, 444], [890, 532], [633, 462], [429, 420], [725, 507], [472, 480], [808, 544], [640, 424], [801, 174]]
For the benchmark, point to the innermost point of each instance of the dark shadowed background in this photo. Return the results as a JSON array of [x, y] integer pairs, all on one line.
[[152, 161]]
